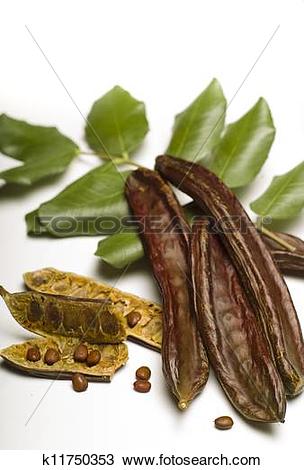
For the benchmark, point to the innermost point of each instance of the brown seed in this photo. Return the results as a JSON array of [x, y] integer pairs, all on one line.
[[223, 422], [80, 382], [51, 356], [143, 373], [81, 353], [93, 358], [33, 354], [142, 386], [133, 318]]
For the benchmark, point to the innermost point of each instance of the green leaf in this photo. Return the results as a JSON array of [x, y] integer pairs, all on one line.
[[198, 128], [33, 224], [90, 205], [120, 249], [124, 248], [284, 198], [117, 124], [44, 151], [244, 147]]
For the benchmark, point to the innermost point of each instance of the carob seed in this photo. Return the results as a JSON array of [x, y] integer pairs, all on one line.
[[133, 318], [143, 373], [33, 354], [223, 422], [80, 382], [51, 356], [93, 358], [142, 386], [81, 353]]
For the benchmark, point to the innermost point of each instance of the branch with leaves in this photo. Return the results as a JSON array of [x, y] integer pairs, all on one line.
[[115, 127]]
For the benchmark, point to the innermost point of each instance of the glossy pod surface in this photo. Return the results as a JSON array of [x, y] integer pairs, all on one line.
[[265, 286], [95, 321], [144, 322], [235, 342], [113, 356], [185, 364]]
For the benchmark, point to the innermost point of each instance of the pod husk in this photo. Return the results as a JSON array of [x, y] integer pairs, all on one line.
[[235, 341], [184, 360], [264, 284], [113, 356], [289, 262], [92, 320], [148, 330]]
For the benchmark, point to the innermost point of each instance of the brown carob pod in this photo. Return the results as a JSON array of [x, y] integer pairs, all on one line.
[[144, 323], [265, 286], [234, 340], [95, 321], [166, 240], [288, 261]]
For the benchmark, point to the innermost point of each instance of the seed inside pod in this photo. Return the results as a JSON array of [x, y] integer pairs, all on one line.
[[143, 373], [133, 318], [223, 422], [33, 354], [81, 353], [142, 386], [93, 358], [80, 382], [51, 356]]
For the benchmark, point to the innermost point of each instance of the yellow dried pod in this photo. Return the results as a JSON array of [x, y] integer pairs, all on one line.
[[144, 318], [95, 321], [113, 356]]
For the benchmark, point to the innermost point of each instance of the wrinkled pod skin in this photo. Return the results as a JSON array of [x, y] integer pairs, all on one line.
[[234, 340], [289, 262], [264, 285], [185, 363]]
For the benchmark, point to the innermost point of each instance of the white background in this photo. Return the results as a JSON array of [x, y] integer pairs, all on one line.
[[164, 53]]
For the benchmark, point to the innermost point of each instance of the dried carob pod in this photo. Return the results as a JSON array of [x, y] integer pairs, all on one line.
[[265, 286], [289, 255], [113, 356], [152, 201], [144, 322], [234, 339], [95, 321]]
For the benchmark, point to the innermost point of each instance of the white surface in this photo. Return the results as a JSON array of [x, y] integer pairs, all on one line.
[[164, 53]]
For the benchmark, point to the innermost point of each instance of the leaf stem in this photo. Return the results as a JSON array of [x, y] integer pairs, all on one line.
[[123, 160], [125, 156], [85, 152], [137, 165], [276, 238]]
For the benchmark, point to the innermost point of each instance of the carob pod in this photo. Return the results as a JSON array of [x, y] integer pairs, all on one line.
[[286, 249], [289, 262], [144, 323], [113, 356], [234, 339], [152, 201], [265, 286], [95, 321]]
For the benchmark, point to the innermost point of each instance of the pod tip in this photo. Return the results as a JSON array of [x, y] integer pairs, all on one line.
[[2, 291], [183, 405]]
